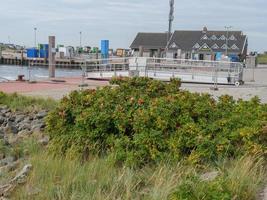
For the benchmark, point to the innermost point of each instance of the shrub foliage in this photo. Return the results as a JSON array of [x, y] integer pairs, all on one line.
[[142, 121]]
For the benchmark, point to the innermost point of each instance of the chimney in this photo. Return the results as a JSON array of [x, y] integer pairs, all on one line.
[[205, 29]]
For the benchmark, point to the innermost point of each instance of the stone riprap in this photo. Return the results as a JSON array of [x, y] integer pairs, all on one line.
[[19, 124], [14, 127]]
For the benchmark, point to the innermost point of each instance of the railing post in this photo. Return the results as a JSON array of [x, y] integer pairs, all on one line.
[[215, 86], [29, 71]]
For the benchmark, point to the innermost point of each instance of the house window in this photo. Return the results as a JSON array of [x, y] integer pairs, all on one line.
[[196, 46], [215, 46], [232, 37], [214, 37], [234, 47], [225, 46], [222, 37], [205, 46], [205, 37]]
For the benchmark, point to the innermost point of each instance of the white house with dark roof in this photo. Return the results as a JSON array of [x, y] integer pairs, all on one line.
[[199, 45]]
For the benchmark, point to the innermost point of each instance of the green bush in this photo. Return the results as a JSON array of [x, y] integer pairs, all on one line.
[[143, 121], [241, 179]]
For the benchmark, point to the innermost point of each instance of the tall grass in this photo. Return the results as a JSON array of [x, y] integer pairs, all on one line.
[[240, 179], [23, 103], [100, 179]]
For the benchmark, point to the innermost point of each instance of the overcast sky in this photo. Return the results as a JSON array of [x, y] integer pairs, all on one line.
[[120, 20]]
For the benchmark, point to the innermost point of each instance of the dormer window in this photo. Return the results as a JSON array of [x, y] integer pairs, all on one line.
[[225, 46], [214, 37], [215, 46], [205, 46], [196, 46], [173, 45], [234, 47], [205, 37], [232, 37], [222, 37]]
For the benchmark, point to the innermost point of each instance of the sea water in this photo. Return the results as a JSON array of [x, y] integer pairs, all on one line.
[[11, 72]]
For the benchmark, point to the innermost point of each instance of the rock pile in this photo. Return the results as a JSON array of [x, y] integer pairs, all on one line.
[[19, 124], [20, 178], [14, 127]]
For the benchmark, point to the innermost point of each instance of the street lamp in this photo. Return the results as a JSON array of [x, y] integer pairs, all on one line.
[[81, 39], [227, 37], [35, 30]]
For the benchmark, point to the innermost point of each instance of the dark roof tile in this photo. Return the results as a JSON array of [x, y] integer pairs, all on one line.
[[150, 40]]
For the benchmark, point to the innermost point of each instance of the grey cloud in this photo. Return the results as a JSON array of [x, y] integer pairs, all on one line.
[[120, 20]]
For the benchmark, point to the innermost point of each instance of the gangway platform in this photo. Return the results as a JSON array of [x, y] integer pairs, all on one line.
[[193, 71]]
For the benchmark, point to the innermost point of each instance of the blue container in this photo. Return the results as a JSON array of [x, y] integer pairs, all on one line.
[[104, 47], [218, 56], [46, 47], [32, 53], [43, 53], [234, 58]]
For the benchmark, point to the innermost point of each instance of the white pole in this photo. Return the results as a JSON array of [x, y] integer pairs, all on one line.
[[227, 35], [81, 39], [35, 30]]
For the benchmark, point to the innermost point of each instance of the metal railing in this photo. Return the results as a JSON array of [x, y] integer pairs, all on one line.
[[158, 67]]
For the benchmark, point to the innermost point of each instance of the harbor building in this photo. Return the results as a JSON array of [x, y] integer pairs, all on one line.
[[196, 45]]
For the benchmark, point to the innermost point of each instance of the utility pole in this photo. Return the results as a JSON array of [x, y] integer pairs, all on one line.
[[35, 30], [1, 54], [227, 38], [51, 57], [9, 40], [171, 18]]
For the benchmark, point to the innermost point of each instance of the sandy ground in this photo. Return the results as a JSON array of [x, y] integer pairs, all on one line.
[[256, 86], [57, 90]]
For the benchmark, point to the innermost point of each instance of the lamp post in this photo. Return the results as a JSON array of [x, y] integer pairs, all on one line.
[[81, 39], [35, 30], [227, 37]]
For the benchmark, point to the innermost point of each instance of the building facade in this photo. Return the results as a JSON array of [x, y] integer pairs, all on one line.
[[197, 45]]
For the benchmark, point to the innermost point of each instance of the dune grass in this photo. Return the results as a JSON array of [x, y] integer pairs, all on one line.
[[238, 179], [99, 179], [23, 103]]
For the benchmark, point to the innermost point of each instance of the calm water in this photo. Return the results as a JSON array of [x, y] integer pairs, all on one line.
[[11, 72]]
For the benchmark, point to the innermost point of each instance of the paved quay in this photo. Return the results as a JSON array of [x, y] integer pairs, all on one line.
[[49, 88], [56, 90]]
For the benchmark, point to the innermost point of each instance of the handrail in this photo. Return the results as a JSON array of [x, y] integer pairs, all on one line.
[[4, 78]]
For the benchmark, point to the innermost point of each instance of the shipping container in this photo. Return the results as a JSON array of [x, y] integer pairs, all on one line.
[[43, 53], [120, 52], [46, 46], [43, 46], [95, 50], [32, 53], [40, 46], [104, 47]]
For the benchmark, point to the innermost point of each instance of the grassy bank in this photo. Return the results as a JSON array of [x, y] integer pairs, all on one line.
[[262, 59], [99, 178], [23, 103]]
